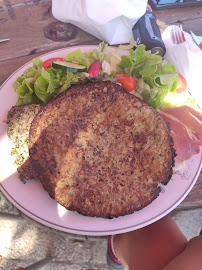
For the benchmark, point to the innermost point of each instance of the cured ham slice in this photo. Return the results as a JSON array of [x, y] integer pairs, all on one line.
[[186, 130]]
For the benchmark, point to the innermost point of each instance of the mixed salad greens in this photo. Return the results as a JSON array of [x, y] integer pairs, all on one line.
[[140, 72]]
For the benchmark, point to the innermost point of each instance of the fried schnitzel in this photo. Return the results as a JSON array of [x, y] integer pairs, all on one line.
[[101, 151]]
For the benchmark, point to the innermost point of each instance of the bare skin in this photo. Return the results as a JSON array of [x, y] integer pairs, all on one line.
[[159, 246]]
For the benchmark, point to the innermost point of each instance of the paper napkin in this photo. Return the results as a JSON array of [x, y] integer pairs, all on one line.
[[187, 58], [109, 20]]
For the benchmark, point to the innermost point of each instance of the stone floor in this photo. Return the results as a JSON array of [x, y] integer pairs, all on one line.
[[24, 241]]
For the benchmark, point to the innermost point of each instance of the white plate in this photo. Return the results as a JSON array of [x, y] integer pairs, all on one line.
[[32, 200]]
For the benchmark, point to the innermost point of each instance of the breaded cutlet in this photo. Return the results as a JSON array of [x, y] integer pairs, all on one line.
[[101, 151], [19, 119]]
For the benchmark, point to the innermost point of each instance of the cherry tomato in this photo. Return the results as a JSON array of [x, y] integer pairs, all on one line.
[[48, 63], [128, 82], [183, 86]]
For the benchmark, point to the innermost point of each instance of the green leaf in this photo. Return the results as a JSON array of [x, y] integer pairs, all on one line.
[[45, 97], [65, 86], [128, 47], [30, 73], [164, 79], [166, 68], [148, 70], [140, 54], [23, 90], [126, 62], [101, 51], [79, 57], [37, 63], [92, 56], [19, 101], [17, 83], [150, 65], [46, 75], [50, 88], [30, 99], [41, 84], [174, 87]]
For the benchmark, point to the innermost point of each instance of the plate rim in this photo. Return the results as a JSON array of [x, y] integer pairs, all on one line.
[[106, 232], [95, 232]]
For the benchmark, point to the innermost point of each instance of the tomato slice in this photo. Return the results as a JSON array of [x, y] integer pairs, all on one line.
[[48, 63], [127, 81], [183, 86]]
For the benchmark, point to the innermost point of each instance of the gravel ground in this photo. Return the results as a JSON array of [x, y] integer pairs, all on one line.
[[24, 241]]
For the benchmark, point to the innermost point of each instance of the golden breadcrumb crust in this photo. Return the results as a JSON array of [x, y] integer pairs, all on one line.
[[101, 151]]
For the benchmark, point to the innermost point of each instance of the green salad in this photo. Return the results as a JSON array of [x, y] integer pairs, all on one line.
[[156, 80]]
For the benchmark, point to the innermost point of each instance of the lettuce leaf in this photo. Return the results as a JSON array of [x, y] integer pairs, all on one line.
[[155, 77], [37, 63], [36, 85], [78, 56], [157, 80]]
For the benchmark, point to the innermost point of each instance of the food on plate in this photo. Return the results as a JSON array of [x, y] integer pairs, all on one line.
[[127, 81], [92, 131], [183, 85], [19, 120], [186, 130], [144, 74], [48, 63], [95, 68], [101, 151], [68, 66]]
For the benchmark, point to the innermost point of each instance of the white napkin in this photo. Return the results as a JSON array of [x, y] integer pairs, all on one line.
[[187, 58], [109, 20]]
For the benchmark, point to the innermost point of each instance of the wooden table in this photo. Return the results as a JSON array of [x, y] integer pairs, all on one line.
[[24, 23]]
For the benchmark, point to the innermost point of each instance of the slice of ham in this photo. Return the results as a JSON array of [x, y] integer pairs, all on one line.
[[186, 130]]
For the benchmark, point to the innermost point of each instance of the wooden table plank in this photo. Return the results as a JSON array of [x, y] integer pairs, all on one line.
[[27, 32], [6, 4], [190, 18]]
